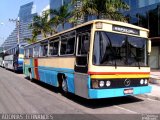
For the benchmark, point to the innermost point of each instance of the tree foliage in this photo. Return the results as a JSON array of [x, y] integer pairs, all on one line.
[[61, 16], [106, 9], [48, 22]]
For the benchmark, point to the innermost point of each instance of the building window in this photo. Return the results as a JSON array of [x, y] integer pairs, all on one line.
[[152, 2], [142, 3]]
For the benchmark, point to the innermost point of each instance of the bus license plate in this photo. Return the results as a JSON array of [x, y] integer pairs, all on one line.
[[128, 91]]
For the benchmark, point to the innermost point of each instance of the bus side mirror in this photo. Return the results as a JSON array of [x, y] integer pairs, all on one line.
[[149, 46]]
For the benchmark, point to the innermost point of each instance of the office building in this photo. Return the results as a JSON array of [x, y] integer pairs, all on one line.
[[26, 14], [56, 4]]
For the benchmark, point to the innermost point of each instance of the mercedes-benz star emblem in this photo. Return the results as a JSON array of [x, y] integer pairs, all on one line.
[[127, 82]]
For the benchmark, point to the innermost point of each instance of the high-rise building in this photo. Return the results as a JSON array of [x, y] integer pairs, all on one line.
[[25, 16], [146, 13], [56, 4]]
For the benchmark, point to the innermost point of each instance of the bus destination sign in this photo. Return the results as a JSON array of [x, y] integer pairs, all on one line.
[[125, 30]]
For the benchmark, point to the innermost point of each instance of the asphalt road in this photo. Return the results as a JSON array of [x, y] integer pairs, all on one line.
[[20, 96]]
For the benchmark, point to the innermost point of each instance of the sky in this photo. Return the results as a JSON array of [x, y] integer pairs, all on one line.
[[9, 9]]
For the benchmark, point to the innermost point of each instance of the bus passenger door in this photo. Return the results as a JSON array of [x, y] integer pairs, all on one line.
[[81, 65]]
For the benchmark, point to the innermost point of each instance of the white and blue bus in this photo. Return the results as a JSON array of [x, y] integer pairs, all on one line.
[[13, 58], [97, 59]]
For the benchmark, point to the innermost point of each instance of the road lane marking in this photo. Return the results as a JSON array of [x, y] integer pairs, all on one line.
[[125, 109]]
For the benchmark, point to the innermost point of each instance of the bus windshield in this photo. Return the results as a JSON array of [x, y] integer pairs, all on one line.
[[119, 50]]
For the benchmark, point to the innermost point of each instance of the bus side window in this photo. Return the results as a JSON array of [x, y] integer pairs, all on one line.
[[36, 51], [44, 50], [70, 46], [53, 48], [26, 53], [67, 46], [83, 44], [63, 47], [83, 48], [30, 52]]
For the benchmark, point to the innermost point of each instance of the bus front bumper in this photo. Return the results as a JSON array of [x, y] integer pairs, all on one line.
[[118, 92]]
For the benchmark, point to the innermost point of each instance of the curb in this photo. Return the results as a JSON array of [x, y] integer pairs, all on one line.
[[150, 96]]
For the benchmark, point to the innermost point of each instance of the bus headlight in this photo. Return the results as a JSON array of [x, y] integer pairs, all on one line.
[[146, 82], [101, 83], [108, 83], [141, 81]]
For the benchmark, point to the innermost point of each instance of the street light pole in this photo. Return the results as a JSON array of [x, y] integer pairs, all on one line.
[[18, 28]]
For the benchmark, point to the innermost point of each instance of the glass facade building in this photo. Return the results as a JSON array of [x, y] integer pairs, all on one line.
[[145, 13], [25, 15], [56, 4]]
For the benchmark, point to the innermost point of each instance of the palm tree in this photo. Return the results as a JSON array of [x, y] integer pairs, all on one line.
[[41, 24], [108, 9], [30, 40], [61, 16], [33, 39]]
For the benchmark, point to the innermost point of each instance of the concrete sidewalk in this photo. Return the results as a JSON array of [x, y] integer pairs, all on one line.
[[155, 83], [155, 76]]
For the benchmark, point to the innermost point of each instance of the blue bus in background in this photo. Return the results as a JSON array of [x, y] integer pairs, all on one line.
[[13, 58]]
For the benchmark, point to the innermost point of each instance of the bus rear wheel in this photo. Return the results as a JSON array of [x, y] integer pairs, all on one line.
[[30, 77], [15, 68], [63, 84]]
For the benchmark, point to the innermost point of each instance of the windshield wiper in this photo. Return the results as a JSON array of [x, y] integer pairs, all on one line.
[[113, 51], [135, 59]]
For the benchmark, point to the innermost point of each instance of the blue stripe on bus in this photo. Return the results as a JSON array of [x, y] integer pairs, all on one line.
[[107, 93], [49, 75], [57, 69]]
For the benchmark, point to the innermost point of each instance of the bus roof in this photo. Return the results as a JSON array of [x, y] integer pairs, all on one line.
[[92, 22]]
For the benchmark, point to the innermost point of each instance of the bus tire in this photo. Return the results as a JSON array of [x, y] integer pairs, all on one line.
[[30, 77], [64, 85], [15, 69]]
